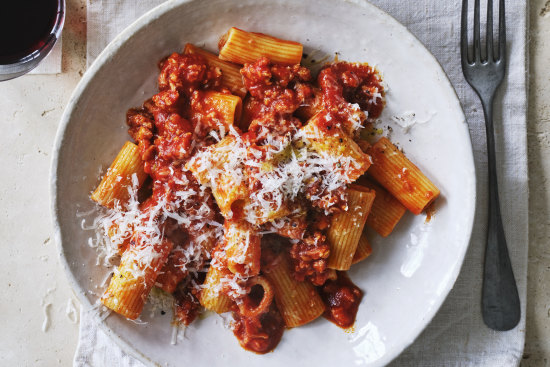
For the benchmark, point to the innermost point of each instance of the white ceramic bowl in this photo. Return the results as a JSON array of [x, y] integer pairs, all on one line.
[[409, 274]]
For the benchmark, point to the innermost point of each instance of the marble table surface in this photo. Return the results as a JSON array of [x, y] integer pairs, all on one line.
[[37, 308]]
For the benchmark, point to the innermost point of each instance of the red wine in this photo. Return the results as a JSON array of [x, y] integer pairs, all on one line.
[[26, 26]]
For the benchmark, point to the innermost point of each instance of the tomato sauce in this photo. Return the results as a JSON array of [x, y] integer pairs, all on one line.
[[430, 211], [276, 91], [187, 73], [259, 334], [343, 82], [342, 299], [186, 307], [309, 258]]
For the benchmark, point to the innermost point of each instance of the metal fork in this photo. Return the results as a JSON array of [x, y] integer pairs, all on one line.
[[500, 301]]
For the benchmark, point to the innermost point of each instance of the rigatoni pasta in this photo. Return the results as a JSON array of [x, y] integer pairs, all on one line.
[[401, 177], [346, 227], [256, 198], [242, 248], [215, 167], [243, 47], [115, 184], [225, 109], [386, 210], [330, 140], [364, 249], [298, 302], [231, 76], [211, 296], [134, 277]]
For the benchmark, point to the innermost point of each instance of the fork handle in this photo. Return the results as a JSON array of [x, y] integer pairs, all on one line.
[[500, 300]]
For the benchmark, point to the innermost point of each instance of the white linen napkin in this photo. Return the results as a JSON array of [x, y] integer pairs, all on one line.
[[457, 335]]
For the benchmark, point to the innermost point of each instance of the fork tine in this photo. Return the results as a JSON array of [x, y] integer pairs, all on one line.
[[501, 31], [477, 40], [490, 50], [464, 33]]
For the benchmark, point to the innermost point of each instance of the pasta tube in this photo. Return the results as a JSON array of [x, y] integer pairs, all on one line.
[[346, 227], [401, 177], [222, 109], [243, 47], [364, 249], [231, 74], [211, 297], [242, 248], [114, 185], [386, 210], [217, 167], [329, 140], [135, 276], [251, 308], [298, 302]]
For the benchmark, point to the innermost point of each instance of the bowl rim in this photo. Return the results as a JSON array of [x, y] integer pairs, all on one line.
[[105, 57]]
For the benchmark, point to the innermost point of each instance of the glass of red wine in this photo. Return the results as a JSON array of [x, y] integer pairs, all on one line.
[[28, 31]]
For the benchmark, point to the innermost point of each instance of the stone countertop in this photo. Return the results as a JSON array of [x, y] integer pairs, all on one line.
[[35, 291], [36, 295]]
